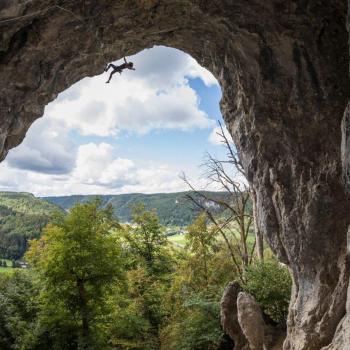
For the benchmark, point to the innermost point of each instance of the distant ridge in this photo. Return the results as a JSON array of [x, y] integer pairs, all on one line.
[[26, 203], [173, 209], [22, 217]]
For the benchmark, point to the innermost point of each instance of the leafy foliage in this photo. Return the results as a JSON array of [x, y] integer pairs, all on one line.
[[148, 279], [193, 299], [270, 283], [196, 327], [19, 306], [78, 260], [22, 217], [96, 284], [26, 203]]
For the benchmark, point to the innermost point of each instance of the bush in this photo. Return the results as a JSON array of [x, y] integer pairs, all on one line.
[[270, 284], [194, 326]]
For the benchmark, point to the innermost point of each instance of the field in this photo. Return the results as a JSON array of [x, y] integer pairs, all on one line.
[[7, 269], [178, 240]]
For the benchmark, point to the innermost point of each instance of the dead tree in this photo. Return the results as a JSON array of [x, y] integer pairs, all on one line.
[[239, 211]]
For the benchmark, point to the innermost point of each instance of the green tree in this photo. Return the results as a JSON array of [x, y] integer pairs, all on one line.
[[19, 306], [200, 243], [147, 240], [139, 313], [193, 300], [270, 283], [78, 259]]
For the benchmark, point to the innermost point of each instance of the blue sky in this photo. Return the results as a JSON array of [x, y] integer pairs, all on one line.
[[136, 134]]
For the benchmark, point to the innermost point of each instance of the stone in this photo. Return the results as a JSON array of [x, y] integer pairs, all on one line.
[[243, 320], [229, 316], [341, 340], [283, 69], [251, 321]]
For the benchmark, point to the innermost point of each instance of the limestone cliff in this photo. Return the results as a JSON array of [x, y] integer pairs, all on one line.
[[283, 69]]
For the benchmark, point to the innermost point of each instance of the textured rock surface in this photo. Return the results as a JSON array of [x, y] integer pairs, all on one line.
[[243, 320], [229, 316], [251, 321], [341, 340], [283, 68]]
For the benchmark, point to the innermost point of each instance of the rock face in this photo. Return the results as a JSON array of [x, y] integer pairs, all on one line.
[[283, 69], [341, 338], [229, 316], [251, 321], [243, 320]]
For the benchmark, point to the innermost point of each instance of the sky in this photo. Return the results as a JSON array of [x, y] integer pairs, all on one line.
[[135, 134]]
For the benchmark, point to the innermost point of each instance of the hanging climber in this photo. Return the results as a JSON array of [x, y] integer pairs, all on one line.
[[119, 69]]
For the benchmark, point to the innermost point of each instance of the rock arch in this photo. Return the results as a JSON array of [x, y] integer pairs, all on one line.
[[283, 69]]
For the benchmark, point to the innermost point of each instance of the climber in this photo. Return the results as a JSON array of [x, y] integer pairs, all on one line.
[[119, 69]]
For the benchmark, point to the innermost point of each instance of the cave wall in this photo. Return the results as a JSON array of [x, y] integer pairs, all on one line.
[[283, 69]]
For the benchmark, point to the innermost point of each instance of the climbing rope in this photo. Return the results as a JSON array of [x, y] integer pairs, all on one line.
[[4, 21], [38, 13], [61, 7], [88, 22]]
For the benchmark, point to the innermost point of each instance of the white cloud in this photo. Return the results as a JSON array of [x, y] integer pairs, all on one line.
[[97, 165], [163, 67], [97, 170], [197, 71], [156, 96], [45, 149], [215, 137], [176, 109]]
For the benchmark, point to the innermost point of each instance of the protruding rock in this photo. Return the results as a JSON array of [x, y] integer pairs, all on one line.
[[229, 317], [251, 320], [341, 340]]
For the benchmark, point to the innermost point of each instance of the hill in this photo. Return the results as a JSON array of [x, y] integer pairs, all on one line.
[[22, 217], [173, 209]]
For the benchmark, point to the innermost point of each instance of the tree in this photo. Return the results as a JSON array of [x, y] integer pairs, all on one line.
[[79, 260], [200, 242], [270, 283], [193, 299], [237, 214], [147, 239], [140, 313], [19, 306]]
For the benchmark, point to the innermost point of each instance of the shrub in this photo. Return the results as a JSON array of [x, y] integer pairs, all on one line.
[[194, 326], [270, 284]]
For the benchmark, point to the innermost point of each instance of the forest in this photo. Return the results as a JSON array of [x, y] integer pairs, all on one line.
[[22, 217], [94, 283], [172, 208]]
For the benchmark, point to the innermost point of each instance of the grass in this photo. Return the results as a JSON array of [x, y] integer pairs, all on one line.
[[7, 269], [178, 239], [8, 262]]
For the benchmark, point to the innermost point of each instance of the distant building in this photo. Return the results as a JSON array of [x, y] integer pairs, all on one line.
[[22, 265]]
